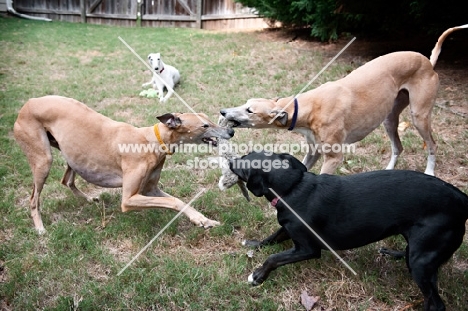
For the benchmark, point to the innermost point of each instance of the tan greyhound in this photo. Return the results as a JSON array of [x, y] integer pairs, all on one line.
[[347, 110], [92, 146]]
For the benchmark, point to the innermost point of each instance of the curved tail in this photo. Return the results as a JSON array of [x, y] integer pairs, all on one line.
[[438, 47]]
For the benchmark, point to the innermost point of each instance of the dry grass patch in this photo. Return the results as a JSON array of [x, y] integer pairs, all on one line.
[[187, 268]]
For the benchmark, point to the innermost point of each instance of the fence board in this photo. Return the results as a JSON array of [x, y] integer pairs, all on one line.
[[214, 14]]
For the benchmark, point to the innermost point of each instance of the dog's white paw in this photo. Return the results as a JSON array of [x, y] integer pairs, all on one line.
[[250, 279], [41, 231], [244, 242], [208, 223]]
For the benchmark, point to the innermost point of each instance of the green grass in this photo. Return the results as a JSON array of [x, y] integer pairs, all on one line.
[[74, 265]]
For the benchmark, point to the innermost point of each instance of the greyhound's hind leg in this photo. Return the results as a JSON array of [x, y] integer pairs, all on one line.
[[35, 145], [422, 104], [391, 126], [424, 128], [69, 181], [40, 172]]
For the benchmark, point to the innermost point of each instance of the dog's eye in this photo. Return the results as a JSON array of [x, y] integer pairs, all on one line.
[[249, 111], [205, 126]]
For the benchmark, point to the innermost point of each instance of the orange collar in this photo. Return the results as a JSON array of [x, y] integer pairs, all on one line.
[[161, 142]]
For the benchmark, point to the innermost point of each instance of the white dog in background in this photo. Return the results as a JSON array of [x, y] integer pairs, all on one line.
[[169, 74]]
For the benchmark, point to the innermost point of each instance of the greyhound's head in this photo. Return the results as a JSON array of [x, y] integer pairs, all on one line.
[[156, 62], [257, 113], [194, 128]]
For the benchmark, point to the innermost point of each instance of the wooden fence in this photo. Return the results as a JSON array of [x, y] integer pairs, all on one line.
[[206, 14], [3, 6]]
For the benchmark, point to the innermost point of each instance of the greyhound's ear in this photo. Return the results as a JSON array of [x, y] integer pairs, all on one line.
[[280, 115], [170, 120], [149, 56]]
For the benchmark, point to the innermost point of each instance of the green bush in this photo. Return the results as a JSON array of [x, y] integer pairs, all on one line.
[[328, 18]]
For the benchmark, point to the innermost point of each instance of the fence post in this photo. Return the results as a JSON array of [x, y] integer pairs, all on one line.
[[139, 15], [199, 14], [83, 11]]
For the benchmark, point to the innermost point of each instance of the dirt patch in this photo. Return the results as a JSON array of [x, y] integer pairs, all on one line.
[[87, 57], [121, 250]]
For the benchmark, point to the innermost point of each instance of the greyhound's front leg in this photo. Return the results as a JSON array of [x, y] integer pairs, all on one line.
[[311, 158], [313, 153], [330, 162], [274, 261], [146, 84], [160, 87], [140, 202], [170, 91], [141, 192]]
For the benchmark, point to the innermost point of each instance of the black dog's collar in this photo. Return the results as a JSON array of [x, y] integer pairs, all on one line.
[[274, 201], [294, 118]]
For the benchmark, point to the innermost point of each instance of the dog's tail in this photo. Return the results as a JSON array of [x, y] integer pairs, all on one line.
[[438, 47]]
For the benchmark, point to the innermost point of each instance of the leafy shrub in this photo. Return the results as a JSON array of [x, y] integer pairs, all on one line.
[[328, 18]]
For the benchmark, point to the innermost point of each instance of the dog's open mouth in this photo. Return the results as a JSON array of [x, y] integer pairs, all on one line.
[[211, 140], [234, 123]]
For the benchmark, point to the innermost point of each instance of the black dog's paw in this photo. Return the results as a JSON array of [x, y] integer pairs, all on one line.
[[393, 253], [251, 243], [252, 281]]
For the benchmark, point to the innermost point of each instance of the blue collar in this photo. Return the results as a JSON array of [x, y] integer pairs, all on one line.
[[294, 118]]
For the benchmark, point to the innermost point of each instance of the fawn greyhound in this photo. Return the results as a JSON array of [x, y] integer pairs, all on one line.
[[90, 144], [347, 110]]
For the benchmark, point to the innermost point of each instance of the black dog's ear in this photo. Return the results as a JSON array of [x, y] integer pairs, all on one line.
[[237, 166], [295, 163], [256, 185], [288, 175], [170, 120], [280, 115], [255, 182]]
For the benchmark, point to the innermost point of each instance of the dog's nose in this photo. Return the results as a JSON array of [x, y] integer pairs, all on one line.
[[230, 132], [223, 112]]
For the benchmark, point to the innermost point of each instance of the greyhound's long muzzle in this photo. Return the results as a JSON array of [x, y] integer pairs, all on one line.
[[223, 112], [230, 132], [228, 119]]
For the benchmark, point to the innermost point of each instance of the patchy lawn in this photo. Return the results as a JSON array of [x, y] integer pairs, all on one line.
[[74, 266]]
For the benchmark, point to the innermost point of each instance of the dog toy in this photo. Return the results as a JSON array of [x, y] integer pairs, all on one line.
[[228, 178], [150, 93]]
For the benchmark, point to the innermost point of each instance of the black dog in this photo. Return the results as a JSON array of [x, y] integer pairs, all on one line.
[[352, 211]]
